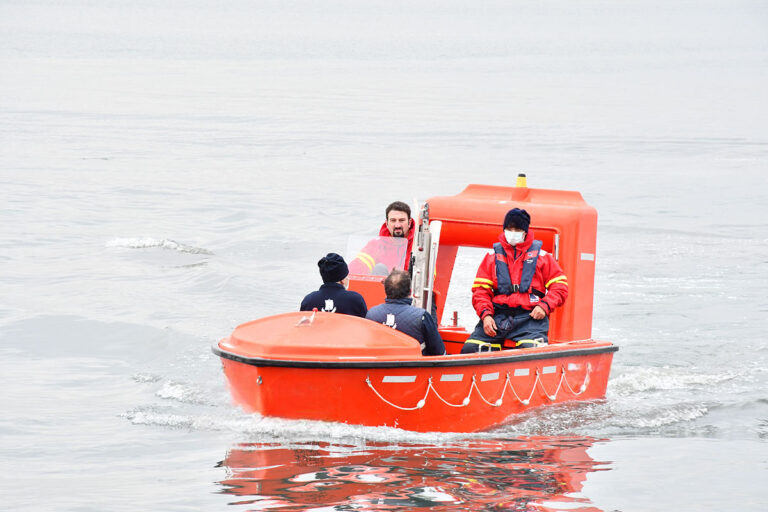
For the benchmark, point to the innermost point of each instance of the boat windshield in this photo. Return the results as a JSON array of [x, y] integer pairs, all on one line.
[[376, 256]]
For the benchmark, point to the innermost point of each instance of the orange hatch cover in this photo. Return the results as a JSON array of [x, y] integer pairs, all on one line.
[[326, 337]]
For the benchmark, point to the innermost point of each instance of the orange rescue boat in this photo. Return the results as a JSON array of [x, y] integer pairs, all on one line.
[[340, 368]]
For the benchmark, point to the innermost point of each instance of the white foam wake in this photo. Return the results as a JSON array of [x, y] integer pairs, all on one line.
[[266, 429], [640, 380], [162, 243]]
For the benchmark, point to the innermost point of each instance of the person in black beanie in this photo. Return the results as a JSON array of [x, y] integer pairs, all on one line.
[[333, 296], [516, 288], [517, 218]]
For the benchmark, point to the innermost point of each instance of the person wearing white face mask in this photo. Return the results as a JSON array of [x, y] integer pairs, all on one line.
[[515, 290], [514, 235]]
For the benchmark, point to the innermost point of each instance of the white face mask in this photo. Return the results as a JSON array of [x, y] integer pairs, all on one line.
[[514, 237]]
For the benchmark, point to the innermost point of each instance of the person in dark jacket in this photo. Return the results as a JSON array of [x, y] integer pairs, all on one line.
[[333, 296], [397, 312]]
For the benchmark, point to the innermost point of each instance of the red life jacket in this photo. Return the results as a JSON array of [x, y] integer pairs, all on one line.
[[384, 231]]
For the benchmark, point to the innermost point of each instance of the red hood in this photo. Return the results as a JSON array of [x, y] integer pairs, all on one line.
[[411, 230], [523, 246]]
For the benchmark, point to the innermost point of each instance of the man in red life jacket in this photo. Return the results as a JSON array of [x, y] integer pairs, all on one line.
[[380, 255], [516, 288]]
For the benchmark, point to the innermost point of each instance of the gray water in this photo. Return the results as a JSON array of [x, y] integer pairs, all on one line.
[[169, 170]]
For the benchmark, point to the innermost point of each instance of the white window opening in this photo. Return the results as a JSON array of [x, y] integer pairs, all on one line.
[[459, 296]]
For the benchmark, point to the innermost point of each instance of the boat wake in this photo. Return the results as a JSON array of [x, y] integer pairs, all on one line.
[[642, 380], [182, 392], [161, 243], [261, 429]]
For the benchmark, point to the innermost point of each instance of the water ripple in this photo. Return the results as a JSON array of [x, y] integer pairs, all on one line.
[[162, 243]]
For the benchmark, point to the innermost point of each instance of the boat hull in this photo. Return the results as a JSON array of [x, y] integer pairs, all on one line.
[[452, 393]]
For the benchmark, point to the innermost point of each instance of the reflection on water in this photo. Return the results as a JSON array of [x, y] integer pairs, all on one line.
[[532, 473]]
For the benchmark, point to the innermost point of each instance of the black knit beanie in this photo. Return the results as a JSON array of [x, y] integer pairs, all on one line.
[[517, 218], [333, 268]]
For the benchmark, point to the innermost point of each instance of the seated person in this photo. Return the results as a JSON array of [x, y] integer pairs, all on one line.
[[382, 254], [333, 296], [516, 288], [397, 312]]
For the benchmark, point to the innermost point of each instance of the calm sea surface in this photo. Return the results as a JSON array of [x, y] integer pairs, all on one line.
[[169, 170]]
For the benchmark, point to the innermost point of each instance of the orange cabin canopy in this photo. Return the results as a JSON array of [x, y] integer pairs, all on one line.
[[561, 219]]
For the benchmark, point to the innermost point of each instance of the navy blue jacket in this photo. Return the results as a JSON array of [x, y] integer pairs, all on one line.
[[413, 321], [333, 298]]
